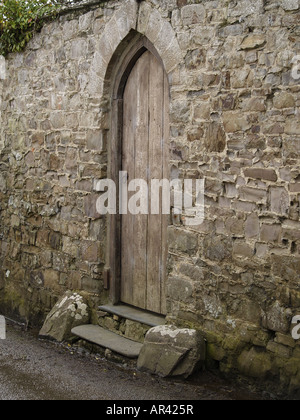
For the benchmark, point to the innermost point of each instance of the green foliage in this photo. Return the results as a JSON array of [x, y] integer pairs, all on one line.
[[19, 19]]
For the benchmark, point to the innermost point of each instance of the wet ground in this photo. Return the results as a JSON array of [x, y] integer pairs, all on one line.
[[31, 369]]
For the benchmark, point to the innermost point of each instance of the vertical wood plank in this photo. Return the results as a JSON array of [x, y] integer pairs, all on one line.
[[128, 157], [114, 250], [141, 165], [145, 156], [156, 98], [166, 175]]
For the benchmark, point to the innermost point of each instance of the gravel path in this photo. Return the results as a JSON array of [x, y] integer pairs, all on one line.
[[31, 369]]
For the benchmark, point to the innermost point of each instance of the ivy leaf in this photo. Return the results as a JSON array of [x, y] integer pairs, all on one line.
[[18, 19]]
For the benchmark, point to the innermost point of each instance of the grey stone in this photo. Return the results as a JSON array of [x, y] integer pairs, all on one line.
[[253, 194], [2, 183], [2, 328], [245, 8], [270, 233], [234, 122], [253, 41], [254, 363], [252, 226], [85, 21], [172, 56], [215, 140], [90, 206], [287, 268], [70, 311], [193, 14], [126, 18], [292, 127], [2, 68], [290, 5], [169, 351], [180, 289], [134, 314], [135, 331], [217, 248], [261, 173], [95, 140], [278, 318], [242, 249], [180, 111], [154, 27], [280, 202], [284, 100], [195, 59], [108, 340], [183, 241], [279, 349], [78, 48]]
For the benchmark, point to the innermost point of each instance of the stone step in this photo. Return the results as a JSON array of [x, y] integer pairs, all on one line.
[[108, 340], [135, 314]]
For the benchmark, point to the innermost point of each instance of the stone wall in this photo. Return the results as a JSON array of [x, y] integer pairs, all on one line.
[[235, 98]]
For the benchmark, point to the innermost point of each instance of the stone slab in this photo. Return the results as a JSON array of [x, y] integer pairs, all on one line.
[[134, 314], [172, 352], [108, 340], [69, 312]]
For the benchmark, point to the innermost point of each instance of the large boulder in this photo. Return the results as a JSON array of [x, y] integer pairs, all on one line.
[[70, 311], [169, 351]]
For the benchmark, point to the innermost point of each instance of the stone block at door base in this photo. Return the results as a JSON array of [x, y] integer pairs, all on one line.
[[69, 312], [168, 351]]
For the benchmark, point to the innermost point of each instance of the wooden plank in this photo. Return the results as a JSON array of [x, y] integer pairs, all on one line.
[[156, 99], [145, 156], [166, 175], [128, 156], [114, 221], [141, 165], [135, 157]]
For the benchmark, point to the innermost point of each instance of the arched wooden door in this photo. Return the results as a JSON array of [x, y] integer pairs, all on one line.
[[145, 155]]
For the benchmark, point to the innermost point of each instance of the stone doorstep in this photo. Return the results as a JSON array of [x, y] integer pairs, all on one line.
[[134, 314], [108, 340]]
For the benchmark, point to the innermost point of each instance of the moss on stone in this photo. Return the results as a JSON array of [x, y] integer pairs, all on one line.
[[215, 352], [254, 363], [13, 303]]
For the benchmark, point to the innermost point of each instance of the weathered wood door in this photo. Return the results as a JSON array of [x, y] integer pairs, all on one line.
[[145, 154]]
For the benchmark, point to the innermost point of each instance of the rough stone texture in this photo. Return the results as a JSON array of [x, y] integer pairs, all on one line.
[[278, 318], [289, 5], [253, 41], [69, 312], [169, 351], [266, 174], [135, 331], [255, 364], [235, 95]]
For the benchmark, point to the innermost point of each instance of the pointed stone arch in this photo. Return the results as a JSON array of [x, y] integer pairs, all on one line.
[[132, 22], [144, 20], [137, 28]]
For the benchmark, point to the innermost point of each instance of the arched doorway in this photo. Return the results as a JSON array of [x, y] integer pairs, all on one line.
[[140, 147]]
